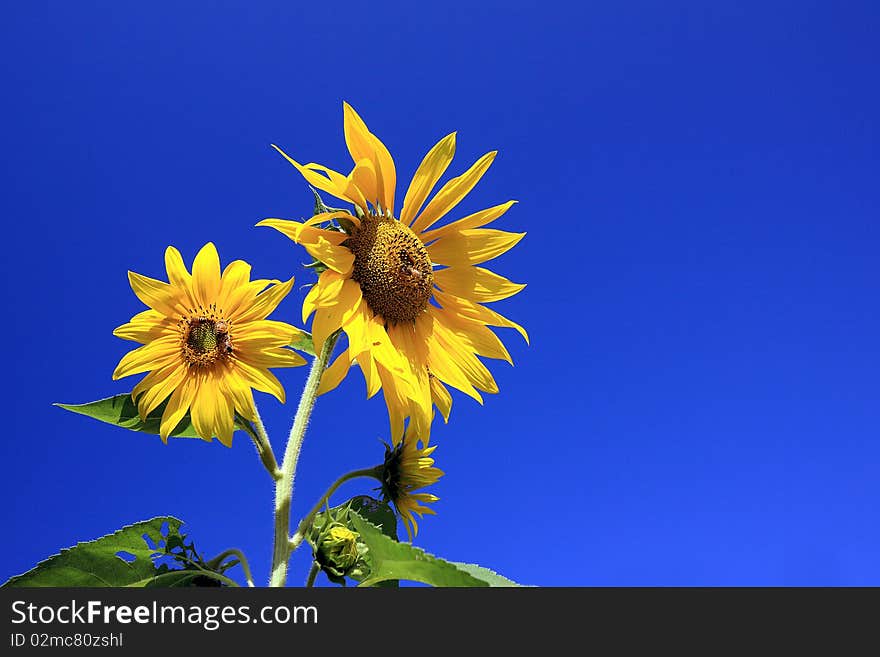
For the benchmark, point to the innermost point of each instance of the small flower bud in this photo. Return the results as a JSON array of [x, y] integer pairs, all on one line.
[[339, 548]]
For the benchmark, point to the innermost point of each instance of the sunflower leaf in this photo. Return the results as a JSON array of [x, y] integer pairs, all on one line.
[[123, 558], [390, 560], [121, 411]]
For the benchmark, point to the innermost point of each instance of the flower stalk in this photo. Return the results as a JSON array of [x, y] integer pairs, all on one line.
[[313, 573], [242, 560]]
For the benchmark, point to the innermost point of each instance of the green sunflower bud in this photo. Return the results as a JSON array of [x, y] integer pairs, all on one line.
[[339, 549]]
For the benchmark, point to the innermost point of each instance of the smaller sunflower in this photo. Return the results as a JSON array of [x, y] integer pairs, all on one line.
[[408, 467], [206, 343]]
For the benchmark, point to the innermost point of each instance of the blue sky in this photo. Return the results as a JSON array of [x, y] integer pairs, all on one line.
[[699, 184]]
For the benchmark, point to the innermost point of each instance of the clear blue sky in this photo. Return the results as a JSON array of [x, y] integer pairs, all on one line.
[[699, 184]]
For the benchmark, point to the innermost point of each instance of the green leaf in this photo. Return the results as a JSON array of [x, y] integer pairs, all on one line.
[[390, 560], [382, 516], [489, 576], [377, 512], [302, 341], [121, 411], [122, 558]]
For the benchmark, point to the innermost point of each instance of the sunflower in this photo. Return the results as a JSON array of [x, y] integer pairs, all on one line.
[[412, 328], [207, 342], [407, 468]]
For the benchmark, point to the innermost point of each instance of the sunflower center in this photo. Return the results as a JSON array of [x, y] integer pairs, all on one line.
[[205, 341], [393, 269]]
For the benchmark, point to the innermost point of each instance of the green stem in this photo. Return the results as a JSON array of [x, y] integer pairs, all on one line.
[[258, 434], [313, 573], [216, 561], [284, 485], [306, 522]]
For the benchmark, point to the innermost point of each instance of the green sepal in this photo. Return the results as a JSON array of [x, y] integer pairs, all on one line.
[[303, 342], [316, 266]]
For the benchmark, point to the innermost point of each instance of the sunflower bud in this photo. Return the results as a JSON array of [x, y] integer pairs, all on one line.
[[338, 550]]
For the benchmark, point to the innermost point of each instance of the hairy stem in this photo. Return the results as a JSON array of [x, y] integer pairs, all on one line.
[[284, 485]]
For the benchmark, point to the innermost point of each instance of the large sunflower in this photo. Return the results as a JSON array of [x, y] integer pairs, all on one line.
[[412, 328], [207, 342]]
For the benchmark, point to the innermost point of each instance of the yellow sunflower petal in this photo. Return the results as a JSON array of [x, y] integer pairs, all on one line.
[[384, 352], [463, 358], [333, 375], [337, 179], [420, 420], [236, 276], [153, 378], [471, 247], [364, 144], [264, 304], [268, 358], [432, 167], [146, 329], [329, 185], [477, 313], [359, 330], [156, 354], [474, 334], [242, 396], [414, 351], [329, 318], [396, 402], [440, 361], [323, 293], [159, 296], [167, 380], [178, 275], [337, 258], [441, 397], [364, 177], [475, 283], [204, 407], [260, 379], [224, 415], [206, 275], [304, 233], [178, 404], [371, 373], [283, 332], [475, 220], [452, 193]]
